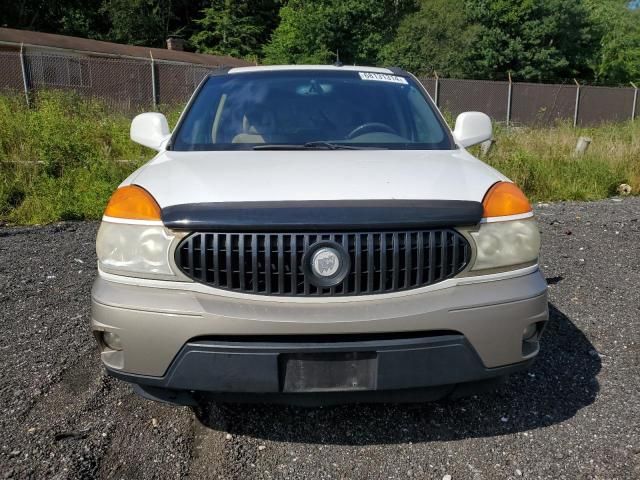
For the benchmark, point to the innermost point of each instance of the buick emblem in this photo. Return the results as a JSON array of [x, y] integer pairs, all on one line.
[[325, 262]]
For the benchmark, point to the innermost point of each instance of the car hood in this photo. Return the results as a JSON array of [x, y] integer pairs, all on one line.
[[175, 178]]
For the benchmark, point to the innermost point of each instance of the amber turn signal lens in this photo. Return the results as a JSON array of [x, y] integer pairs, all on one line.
[[134, 203], [504, 199]]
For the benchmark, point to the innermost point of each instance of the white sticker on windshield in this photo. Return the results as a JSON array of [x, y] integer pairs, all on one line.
[[383, 77]]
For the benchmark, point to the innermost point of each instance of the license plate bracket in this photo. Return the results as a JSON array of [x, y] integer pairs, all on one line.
[[325, 372]]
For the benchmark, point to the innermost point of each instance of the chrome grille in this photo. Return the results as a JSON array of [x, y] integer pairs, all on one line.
[[272, 263]]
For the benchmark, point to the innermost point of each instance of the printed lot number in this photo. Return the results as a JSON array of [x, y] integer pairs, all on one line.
[[382, 77]]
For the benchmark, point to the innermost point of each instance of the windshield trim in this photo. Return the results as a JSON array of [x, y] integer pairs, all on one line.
[[394, 146]]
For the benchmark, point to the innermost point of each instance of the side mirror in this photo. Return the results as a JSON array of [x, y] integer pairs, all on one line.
[[472, 128], [151, 130]]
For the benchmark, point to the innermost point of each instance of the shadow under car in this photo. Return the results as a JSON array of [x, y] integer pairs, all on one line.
[[560, 382]]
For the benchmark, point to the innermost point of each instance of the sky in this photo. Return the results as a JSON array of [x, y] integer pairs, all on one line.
[[633, 4]]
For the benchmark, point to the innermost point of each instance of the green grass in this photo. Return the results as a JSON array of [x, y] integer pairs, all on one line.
[[62, 158], [541, 160]]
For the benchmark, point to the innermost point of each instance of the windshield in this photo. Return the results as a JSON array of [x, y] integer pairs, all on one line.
[[310, 109]]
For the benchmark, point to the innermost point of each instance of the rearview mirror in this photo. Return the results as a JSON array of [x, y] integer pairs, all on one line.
[[151, 130], [472, 128]]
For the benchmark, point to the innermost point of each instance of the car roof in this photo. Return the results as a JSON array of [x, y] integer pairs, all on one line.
[[273, 68]]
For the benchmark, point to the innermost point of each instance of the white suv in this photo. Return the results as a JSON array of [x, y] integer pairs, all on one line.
[[315, 233]]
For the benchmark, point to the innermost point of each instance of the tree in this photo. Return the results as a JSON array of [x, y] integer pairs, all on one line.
[[68, 17], [437, 37], [539, 40], [536, 40], [235, 27], [317, 31], [617, 59], [138, 22]]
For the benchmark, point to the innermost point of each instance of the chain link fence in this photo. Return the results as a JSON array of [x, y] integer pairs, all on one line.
[[524, 103], [10, 71], [124, 84], [132, 85]]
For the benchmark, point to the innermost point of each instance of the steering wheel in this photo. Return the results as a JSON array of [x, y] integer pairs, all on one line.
[[370, 127]]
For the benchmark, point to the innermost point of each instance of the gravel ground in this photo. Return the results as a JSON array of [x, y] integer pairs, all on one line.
[[575, 414]]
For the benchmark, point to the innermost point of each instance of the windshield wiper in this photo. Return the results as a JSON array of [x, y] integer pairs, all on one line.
[[277, 146], [313, 146], [332, 146]]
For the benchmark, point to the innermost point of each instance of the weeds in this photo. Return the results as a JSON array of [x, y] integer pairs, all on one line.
[[542, 162], [62, 159]]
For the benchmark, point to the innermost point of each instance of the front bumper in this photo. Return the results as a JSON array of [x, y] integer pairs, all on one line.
[[185, 340], [345, 371]]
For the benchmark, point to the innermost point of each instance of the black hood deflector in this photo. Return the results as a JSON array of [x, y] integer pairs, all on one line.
[[331, 215]]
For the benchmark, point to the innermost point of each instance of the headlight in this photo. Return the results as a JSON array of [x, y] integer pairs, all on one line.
[[132, 240], [506, 243], [134, 250]]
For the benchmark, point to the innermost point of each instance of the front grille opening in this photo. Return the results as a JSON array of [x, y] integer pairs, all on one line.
[[272, 263]]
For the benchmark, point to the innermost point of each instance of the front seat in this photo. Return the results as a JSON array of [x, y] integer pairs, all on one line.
[[249, 133]]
